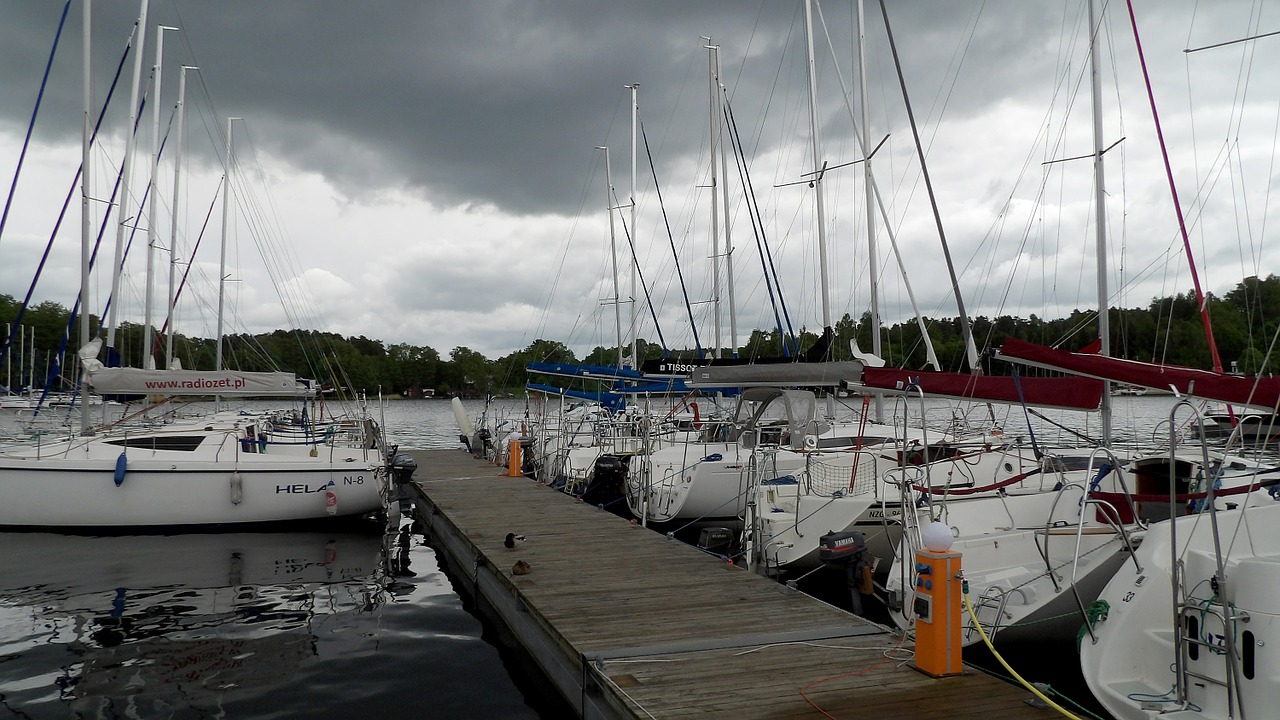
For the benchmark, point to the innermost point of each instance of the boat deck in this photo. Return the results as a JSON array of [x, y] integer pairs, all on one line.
[[627, 623]]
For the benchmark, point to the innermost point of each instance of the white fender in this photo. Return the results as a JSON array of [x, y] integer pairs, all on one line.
[[460, 414]]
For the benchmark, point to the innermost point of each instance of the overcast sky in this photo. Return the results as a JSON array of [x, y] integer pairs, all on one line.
[[427, 172]]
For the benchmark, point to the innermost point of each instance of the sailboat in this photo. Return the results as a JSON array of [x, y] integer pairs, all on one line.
[[1120, 503], [1188, 629], [224, 469], [1022, 552]]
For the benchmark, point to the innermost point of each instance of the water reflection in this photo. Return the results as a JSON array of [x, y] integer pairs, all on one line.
[[244, 624], [188, 615]]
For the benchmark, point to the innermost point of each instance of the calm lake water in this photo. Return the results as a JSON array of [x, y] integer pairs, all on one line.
[[246, 625], [290, 624]]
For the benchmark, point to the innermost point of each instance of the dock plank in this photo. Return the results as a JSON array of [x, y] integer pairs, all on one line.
[[662, 629]]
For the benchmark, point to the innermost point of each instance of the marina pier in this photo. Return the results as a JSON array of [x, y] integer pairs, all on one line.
[[627, 623]]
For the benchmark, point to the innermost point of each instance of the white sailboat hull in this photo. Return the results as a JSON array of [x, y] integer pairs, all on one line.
[[73, 484], [1007, 547], [1131, 667]]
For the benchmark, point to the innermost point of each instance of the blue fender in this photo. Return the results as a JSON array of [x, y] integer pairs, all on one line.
[[122, 466]]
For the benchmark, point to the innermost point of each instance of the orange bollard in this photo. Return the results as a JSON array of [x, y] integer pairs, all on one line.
[[939, 585]]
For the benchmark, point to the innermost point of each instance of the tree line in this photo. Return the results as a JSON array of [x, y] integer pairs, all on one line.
[[1169, 330]]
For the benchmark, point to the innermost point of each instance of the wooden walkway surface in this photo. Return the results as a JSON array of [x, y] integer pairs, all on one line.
[[651, 627]]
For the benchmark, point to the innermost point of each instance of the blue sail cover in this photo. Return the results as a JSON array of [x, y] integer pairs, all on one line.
[[612, 401], [578, 370], [618, 378]]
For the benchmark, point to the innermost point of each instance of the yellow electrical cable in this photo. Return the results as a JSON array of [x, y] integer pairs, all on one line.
[[1034, 690]]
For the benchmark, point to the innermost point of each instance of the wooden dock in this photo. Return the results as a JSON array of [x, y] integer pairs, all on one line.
[[629, 624]]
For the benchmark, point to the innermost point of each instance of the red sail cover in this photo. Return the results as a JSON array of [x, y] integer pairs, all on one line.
[[1072, 393], [1234, 389]]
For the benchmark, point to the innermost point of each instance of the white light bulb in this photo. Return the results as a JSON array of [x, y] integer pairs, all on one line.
[[937, 537]]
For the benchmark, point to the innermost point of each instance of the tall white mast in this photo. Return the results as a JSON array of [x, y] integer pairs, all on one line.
[[228, 164], [874, 190], [873, 269], [1100, 215], [173, 226], [613, 249], [816, 138], [122, 211], [85, 223], [148, 360], [635, 261], [715, 198], [724, 190]]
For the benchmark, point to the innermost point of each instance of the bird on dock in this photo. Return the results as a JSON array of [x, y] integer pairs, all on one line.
[[510, 542], [520, 568]]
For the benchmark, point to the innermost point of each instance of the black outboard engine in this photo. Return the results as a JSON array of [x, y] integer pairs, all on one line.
[[849, 550], [402, 467], [482, 444], [716, 540], [607, 485], [528, 458]]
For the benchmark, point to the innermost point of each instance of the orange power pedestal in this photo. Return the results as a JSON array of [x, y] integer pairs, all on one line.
[[937, 609]]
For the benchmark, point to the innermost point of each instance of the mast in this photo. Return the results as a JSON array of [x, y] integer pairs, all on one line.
[[816, 140], [85, 229], [173, 227], [222, 262], [1100, 216], [613, 247], [724, 190], [868, 180], [1177, 205], [635, 261], [715, 202], [148, 361], [122, 215], [932, 358]]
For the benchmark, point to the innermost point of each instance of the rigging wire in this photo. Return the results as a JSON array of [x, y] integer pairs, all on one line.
[[697, 343], [26, 302], [31, 125], [771, 279]]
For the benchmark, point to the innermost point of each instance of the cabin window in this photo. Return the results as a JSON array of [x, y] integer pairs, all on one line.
[[1247, 653], [179, 443]]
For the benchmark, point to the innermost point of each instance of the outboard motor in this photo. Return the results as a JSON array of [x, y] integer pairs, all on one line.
[[607, 485], [481, 444], [528, 458], [716, 540], [849, 550], [402, 467]]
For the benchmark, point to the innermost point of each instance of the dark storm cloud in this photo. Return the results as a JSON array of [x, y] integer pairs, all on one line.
[[492, 109], [478, 102]]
